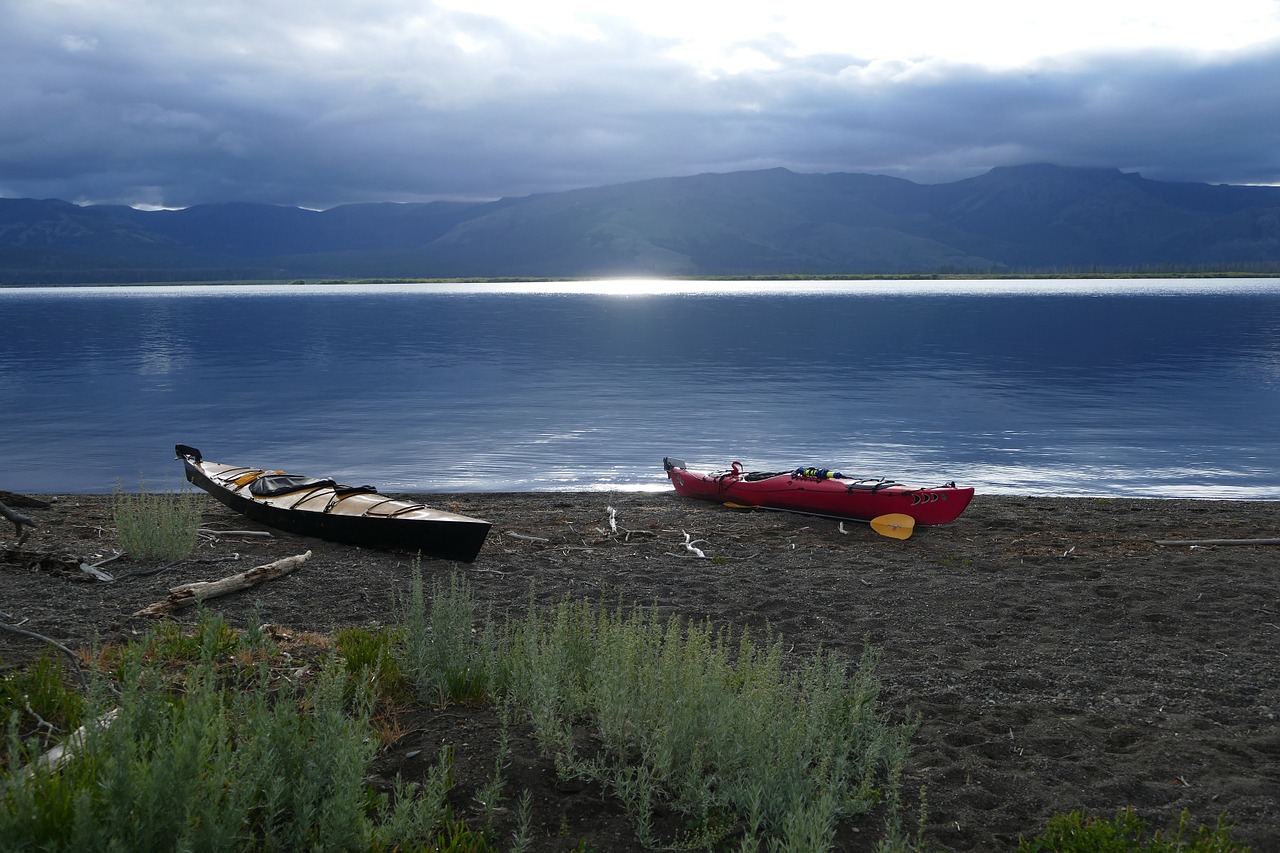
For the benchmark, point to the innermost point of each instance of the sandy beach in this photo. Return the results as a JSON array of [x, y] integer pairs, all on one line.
[[1060, 653]]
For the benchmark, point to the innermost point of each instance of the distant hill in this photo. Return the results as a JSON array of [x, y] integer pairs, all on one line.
[[1034, 218]]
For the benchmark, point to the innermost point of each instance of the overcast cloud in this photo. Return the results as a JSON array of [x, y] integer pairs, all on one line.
[[315, 103]]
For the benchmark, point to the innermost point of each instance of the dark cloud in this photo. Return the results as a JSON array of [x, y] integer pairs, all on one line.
[[407, 102]]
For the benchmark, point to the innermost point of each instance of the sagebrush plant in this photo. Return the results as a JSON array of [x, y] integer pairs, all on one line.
[[158, 526], [686, 719], [214, 752], [440, 655]]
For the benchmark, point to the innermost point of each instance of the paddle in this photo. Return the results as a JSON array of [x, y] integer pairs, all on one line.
[[896, 525]]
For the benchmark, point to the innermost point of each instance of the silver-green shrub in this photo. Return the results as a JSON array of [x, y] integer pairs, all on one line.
[[720, 731], [200, 758], [156, 526]]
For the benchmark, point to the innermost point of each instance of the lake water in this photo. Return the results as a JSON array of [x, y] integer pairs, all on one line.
[[1144, 388]]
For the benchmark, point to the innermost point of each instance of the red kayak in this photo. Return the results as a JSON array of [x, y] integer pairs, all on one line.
[[821, 492]]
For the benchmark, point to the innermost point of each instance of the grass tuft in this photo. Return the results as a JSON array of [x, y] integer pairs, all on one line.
[[1076, 832], [39, 704]]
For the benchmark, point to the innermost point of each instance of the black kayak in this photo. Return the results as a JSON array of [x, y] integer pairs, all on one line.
[[320, 507]]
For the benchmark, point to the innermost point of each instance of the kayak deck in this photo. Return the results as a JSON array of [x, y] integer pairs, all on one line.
[[329, 499]]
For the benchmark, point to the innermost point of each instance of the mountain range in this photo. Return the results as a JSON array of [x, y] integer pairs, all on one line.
[[1017, 219]]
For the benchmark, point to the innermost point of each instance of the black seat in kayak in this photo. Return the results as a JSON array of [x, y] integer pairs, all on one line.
[[274, 485]]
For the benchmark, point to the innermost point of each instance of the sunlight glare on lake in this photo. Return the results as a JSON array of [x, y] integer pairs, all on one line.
[[638, 287]]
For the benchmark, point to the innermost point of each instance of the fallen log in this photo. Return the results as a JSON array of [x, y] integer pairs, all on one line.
[[191, 593], [15, 499]]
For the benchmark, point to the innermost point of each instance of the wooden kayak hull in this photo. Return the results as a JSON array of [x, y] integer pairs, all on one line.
[[353, 516], [859, 500]]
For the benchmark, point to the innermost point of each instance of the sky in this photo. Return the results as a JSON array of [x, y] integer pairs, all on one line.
[[316, 103]]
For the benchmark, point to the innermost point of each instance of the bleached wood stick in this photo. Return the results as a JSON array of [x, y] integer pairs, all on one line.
[[526, 537], [190, 593], [65, 751], [209, 531]]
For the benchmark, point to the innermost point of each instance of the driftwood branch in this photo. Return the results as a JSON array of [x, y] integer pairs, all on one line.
[[1218, 541], [19, 521], [191, 593], [23, 632]]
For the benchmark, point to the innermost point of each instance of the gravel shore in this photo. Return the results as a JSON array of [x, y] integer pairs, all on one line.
[[1060, 653]]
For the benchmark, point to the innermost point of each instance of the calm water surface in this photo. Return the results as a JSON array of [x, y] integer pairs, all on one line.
[[1150, 388]]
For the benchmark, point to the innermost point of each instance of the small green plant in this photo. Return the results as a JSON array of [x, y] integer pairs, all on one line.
[[1127, 833], [39, 700], [522, 836], [156, 527], [458, 837], [489, 795], [170, 642], [370, 658]]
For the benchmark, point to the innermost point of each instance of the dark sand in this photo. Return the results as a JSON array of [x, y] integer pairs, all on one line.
[[1058, 657]]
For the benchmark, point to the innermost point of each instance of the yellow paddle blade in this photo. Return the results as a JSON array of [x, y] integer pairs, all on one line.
[[895, 524]]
